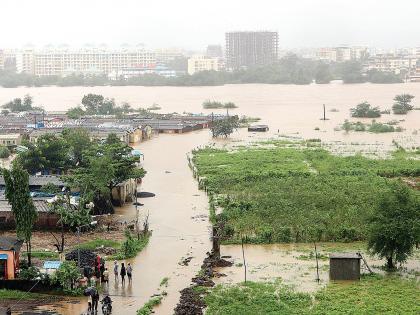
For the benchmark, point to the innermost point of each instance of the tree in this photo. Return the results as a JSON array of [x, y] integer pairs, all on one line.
[[75, 112], [17, 105], [105, 165], [67, 274], [92, 102], [365, 110], [347, 126], [395, 225], [17, 193], [402, 104], [78, 141], [225, 126]]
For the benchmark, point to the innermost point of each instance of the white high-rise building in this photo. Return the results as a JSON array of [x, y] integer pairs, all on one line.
[[63, 62]]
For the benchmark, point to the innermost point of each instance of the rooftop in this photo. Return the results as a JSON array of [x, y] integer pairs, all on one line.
[[345, 256], [10, 243]]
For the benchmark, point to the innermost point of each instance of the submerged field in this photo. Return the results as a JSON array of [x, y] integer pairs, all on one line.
[[372, 295], [289, 193]]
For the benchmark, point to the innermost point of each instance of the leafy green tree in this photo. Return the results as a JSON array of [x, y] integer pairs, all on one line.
[[224, 127], [75, 112], [78, 141], [105, 165], [32, 160], [395, 225], [347, 126], [55, 151], [365, 110], [92, 103], [17, 193], [67, 274], [402, 104]]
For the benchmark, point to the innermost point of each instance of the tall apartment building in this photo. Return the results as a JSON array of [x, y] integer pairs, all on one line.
[[249, 49], [93, 61], [202, 63]]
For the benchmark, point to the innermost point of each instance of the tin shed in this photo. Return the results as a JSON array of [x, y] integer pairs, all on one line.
[[345, 266]]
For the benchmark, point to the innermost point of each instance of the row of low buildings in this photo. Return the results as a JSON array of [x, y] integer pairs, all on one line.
[[15, 128]]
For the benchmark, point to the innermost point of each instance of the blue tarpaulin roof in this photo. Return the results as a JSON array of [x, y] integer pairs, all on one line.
[[136, 153], [3, 256], [51, 264]]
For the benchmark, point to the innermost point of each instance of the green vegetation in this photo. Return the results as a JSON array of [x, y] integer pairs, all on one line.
[[96, 243], [164, 282], [365, 110], [395, 225], [23, 209], [225, 126], [45, 255], [95, 104], [132, 246], [280, 194], [4, 152], [67, 275], [375, 127], [147, 308], [17, 295], [372, 295], [214, 104], [402, 104], [290, 69], [18, 105]]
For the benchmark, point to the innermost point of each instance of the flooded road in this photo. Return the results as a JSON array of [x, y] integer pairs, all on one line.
[[178, 216]]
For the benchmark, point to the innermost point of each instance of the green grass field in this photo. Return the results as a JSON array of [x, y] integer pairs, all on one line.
[[281, 194]]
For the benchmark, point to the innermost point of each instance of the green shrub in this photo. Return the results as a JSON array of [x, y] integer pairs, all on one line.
[[4, 152]]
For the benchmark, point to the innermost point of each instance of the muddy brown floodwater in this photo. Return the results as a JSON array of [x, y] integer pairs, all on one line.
[[179, 220], [178, 212]]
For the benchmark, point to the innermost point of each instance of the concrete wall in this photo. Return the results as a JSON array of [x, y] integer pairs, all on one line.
[[10, 270], [344, 269]]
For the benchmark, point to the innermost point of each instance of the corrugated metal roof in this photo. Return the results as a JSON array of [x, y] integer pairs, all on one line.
[[40, 180], [40, 206]]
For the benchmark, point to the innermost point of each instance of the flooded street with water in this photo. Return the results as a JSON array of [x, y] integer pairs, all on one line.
[[178, 214]]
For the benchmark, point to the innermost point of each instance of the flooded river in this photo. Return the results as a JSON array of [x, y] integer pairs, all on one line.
[[178, 212]]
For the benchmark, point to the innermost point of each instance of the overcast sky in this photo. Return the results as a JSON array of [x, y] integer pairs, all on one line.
[[193, 24]]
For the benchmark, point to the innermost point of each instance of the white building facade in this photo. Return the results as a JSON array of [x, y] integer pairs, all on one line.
[[202, 63]]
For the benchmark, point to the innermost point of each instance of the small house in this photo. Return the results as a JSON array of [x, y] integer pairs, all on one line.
[[9, 257], [345, 266]]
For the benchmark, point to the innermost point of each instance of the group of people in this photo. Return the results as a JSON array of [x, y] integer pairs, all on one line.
[[123, 271]]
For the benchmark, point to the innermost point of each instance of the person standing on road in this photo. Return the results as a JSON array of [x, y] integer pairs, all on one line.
[[129, 272], [123, 272], [116, 270]]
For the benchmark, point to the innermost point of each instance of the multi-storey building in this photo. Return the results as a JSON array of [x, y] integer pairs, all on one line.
[[249, 49], [341, 53], [94, 61], [393, 63], [202, 63]]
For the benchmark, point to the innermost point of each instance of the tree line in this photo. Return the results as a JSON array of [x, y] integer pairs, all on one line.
[[290, 69]]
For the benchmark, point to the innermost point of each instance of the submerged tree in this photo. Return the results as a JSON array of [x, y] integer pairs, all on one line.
[[395, 225], [402, 104], [17, 193], [224, 127]]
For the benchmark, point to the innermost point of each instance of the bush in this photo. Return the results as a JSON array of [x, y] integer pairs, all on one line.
[[30, 273], [365, 110], [4, 152], [67, 275]]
